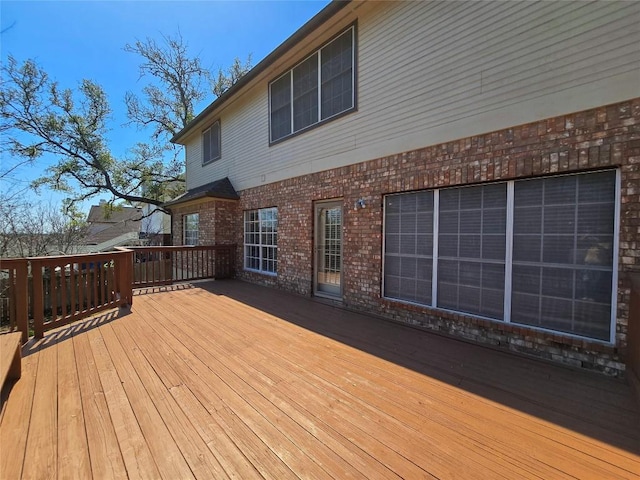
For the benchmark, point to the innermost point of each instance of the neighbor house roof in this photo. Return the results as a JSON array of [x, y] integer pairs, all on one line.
[[106, 224], [218, 189], [321, 17], [113, 231], [100, 214]]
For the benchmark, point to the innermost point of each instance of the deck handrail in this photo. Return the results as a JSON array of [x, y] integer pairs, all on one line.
[[42, 293]]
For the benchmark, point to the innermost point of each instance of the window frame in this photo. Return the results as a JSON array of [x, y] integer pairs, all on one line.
[[218, 141], [508, 278], [260, 245], [185, 218], [289, 72]]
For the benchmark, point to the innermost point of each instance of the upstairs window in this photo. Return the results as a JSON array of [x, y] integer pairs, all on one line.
[[211, 143], [319, 88]]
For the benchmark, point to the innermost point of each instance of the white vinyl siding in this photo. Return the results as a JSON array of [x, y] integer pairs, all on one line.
[[318, 88], [261, 240], [536, 252], [432, 72]]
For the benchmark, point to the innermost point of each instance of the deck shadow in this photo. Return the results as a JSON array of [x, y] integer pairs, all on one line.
[[582, 401], [66, 332]]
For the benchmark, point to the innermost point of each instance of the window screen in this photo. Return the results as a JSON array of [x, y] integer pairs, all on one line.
[[281, 107], [471, 249], [408, 261], [337, 75], [562, 253], [318, 93], [211, 143], [561, 260], [305, 93]]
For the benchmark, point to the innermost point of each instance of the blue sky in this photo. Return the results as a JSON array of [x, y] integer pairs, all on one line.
[[73, 40]]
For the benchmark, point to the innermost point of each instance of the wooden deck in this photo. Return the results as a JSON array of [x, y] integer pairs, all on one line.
[[230, 380]]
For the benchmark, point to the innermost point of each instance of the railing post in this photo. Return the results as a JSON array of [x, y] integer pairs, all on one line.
[[38, 299], [22, 299], [126, 276]]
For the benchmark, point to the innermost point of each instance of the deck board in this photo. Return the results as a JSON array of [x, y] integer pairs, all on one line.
[[41, 451], [231, 380], [138, 459], [73, 451], [16, 414], [102, 443]]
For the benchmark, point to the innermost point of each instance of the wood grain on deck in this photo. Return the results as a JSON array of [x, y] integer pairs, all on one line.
[[231, 380]]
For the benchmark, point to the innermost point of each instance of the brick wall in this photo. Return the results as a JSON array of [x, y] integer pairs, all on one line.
[[603, 137], [217, 221]]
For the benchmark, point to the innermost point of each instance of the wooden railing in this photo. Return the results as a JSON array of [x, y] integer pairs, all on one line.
[[47, 292], [165, 265], [41, 293]]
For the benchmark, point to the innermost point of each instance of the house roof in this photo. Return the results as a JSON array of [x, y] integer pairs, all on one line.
[[321, 17], [113, 231], [98, 214], [218, 189]]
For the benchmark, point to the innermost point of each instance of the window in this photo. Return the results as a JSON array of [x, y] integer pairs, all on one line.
[[535, 252], [563, 253], [317, 89], [211, 143], [409, 246], [471, 249], [190, 228], [261, 240]]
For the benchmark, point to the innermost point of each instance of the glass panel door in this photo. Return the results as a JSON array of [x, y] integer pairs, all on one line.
[[328, 249]]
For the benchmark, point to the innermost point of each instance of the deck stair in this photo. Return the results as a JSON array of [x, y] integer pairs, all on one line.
[[10, 358]]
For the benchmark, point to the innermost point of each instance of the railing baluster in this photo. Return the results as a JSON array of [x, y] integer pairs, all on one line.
[[82, 287], [13, 288], [72, 289], [96, 274], [38, 298], [53, 292], [63, 291], [22, 299]]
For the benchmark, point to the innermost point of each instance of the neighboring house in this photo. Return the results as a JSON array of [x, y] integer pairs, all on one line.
[[155, 225], [469, 167], [109, 228]]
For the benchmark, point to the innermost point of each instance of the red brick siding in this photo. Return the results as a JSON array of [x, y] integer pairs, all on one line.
[[604, 137], [217, 222]]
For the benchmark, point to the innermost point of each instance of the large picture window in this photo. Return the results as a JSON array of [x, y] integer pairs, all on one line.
[[536, 252], [261, 240], [317, 89]]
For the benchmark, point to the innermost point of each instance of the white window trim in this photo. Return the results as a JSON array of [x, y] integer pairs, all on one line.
[[259, 245], [289, 72], [509, 258], [219, 141], [184, 228]]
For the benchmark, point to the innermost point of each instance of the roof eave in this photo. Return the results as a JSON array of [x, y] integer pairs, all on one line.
[[321, 17], [199, 196]]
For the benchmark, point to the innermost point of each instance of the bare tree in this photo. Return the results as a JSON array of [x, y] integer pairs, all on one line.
[[32, 229]]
